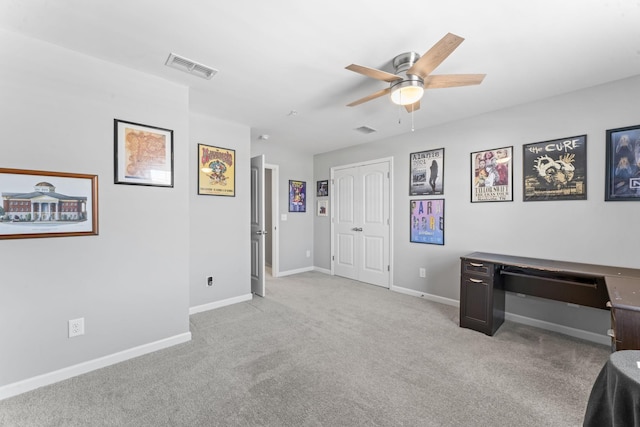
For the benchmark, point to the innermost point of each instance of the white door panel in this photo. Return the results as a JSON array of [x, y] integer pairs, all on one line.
[[257, 225]]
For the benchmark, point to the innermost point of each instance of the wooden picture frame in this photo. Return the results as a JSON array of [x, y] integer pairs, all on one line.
[[297, 196], [623, 164], [47, 204], [143, 155], [555, 169], [216, 171], [492, 175], [426, 222], [426, 173]]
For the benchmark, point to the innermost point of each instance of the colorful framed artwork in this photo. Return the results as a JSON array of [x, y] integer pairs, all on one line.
[[47, 204], [143, 154], [323, 207], [623, 164], [322, 188], [426, 175], [297, 196], [216, 171], [492, 175], [555, 170], [427, 221]]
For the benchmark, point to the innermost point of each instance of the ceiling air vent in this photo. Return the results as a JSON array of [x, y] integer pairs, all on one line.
[[189, 66], [366, 130]]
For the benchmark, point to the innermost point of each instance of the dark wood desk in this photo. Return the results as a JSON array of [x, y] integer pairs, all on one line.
[[485, 278]]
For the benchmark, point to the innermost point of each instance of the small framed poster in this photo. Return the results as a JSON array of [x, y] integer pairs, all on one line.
[[426, 176], [555, 170], [297, 196], [427, 221], [322, 188], [323, 207], [623, 164], [216, 171], [492, 175]]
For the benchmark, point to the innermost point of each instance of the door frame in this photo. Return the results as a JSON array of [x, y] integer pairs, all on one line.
[[333, 202], [275, 218]]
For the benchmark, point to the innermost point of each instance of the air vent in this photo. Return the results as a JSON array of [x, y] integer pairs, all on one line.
[[189, 66], [366, 130]]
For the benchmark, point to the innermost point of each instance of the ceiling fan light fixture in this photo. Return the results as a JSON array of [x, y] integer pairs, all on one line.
[[407, 92]]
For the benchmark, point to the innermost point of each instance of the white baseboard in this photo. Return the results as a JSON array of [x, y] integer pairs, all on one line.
[[554, 327], [29, 384], [322, 270], [218, 304], [291, 272], [429, 297]]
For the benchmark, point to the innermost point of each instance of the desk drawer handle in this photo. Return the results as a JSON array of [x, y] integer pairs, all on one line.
[[475, 264], [609, 305], [611, 333], [475, 280]]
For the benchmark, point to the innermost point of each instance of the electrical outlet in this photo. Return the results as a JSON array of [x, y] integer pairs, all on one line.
[[209, 281], [76, 327], [423, 272]]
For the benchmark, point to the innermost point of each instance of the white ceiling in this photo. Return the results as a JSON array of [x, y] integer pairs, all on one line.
[[279, 56]]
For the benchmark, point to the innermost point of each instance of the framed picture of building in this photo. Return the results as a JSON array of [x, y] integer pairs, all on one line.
[[47, 204], [427, 221], [216, 171], [426, 175], [143, 154], [623, 164], [297, 196], [555, 170], [492, 175]]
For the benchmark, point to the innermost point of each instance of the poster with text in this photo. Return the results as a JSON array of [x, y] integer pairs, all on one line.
[[427, 221], [427, 173], [492, 175], [555, 170]]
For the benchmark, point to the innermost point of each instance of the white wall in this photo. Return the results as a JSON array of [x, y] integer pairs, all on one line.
[[130, 283], [220, 228], [589, 231]]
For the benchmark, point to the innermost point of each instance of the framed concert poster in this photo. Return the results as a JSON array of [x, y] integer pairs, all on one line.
[[623, 164], [492, 175], [555, 170], [143, 154], [216, 171], [427, 221], [426, 175], [297, 196], [47, 204]]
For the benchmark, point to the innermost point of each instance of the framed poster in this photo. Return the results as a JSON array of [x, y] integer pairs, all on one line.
[[216, 171], [426, 176], [143, 154], [555, 170], [623, 164], [322, 188], [427, 221], [492, 175], [297, 196], [47, 204], [323, 207]]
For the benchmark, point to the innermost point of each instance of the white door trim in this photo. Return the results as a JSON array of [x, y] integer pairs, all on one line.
[[391, 213], [275, 219]]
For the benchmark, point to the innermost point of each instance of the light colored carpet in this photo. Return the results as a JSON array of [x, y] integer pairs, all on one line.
[[326, 351]]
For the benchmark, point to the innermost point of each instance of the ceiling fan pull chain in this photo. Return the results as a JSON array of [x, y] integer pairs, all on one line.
[[412, 110]]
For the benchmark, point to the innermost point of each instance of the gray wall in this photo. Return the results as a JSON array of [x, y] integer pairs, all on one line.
[[219, 225], [296, 233], [589, 231]]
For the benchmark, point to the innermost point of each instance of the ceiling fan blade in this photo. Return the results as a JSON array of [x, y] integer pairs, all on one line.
[[378, 94], [452, 80], [373, 73], [434, 56], [412, 107]]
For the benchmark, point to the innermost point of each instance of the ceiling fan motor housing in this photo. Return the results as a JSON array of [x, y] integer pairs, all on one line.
[[402, 63]]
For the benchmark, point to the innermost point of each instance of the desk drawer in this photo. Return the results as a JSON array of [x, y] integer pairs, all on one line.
[[477, 268]]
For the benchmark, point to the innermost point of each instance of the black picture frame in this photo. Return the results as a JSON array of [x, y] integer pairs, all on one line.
[[426, 173], [297, 196], [322, 188], [622, 174], [555, 169], [492, 175], [143, 154]]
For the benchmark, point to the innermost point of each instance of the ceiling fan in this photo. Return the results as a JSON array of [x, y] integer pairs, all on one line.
[[412, 75]]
